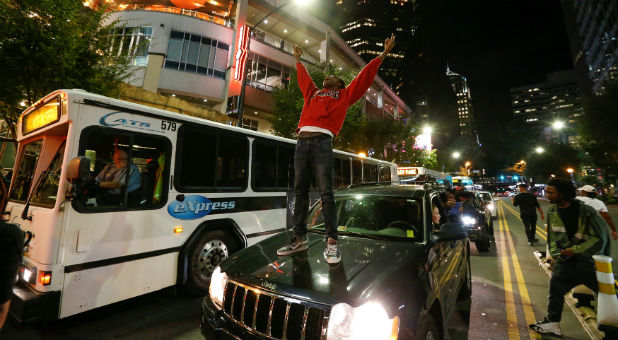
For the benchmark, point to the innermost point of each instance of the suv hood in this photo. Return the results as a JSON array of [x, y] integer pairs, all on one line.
[[366, 264]]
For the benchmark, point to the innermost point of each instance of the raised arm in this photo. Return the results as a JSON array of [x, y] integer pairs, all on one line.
[[305, 83], [365, 77]]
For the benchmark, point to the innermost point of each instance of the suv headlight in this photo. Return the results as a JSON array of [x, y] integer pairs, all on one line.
[[368, 321], [467, 220], [490, 206], [218, 280]]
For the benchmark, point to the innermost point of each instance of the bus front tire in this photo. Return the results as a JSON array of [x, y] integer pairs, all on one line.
[[206, 254]]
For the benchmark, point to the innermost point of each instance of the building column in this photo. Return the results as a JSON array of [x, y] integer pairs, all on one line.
[[325, 49], [232, 87], [153, 72]]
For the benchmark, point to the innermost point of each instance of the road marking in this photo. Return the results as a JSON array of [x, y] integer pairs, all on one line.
[[511, 315], [521, 283], [539, 231]]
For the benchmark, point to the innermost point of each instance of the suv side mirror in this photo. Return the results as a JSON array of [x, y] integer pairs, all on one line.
[[451, 232], [78, 170]]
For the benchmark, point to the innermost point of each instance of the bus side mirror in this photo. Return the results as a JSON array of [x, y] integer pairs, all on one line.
[[78, 170]]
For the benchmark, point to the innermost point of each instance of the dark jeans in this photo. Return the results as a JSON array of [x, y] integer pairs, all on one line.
[[566, 275], [314, 157], [530, 225]]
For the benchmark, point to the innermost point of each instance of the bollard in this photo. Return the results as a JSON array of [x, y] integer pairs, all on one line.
[[607, 305]]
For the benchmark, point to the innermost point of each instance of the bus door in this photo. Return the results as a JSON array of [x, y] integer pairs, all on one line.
[[120, 241]]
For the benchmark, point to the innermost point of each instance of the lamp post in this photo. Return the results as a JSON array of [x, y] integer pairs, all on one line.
[[241, 97], [570, 171], [456, 154], [539, 149]]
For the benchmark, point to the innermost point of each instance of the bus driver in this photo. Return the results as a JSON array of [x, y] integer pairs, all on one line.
[[114, 176]]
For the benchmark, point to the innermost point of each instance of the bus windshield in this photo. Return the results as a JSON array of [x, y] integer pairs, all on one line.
[[47, 189], [25, 173]]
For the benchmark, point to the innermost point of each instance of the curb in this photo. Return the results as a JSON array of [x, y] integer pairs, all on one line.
[[586, 316]]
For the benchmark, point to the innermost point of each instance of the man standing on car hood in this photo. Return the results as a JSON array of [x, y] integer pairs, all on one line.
[[320, 121]]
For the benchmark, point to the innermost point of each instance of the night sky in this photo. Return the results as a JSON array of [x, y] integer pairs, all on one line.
[[495, 44]]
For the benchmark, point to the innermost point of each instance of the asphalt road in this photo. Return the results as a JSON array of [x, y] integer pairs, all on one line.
[[509, 292]]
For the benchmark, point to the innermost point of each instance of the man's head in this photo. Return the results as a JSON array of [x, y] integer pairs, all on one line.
[[333, 83], [121, 158], [588, 191], [559, 190], [522, 187]]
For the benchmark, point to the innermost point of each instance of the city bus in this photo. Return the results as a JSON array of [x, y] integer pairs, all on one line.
[[186, 194]]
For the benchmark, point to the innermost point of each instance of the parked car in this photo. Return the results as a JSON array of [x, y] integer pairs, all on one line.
[[400, 275]]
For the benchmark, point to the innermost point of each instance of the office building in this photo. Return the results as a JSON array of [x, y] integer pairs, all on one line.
[[592, 28], [367, 23], [558, 98], [465, 115]]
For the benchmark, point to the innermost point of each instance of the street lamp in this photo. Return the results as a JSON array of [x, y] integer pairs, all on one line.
[[539, 149], [241, 97], [456, 154], [362, 154], [427, 130], [570, 171], [468, 164]]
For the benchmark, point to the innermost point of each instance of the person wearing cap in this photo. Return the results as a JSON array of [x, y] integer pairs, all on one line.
[[589, 197]]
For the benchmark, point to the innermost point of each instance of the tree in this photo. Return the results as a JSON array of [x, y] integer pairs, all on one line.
[[556, 158], [597, 130], [47, 45]]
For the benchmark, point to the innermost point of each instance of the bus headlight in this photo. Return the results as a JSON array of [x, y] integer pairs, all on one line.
[[467, 220], [218, 280], [368, 321]]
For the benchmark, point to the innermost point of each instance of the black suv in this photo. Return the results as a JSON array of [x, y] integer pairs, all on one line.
[[400, 275], [477, 221]]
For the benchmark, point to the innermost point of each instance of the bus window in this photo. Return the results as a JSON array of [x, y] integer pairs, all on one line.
[[47, 190], [25, 173], [232, 153], [211, 160], [264, 165], [285, 166], [341, 167], [370, 171], [357, 172], [130, 170], [384, 174]]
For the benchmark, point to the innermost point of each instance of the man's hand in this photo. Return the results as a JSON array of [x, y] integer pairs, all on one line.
[[389, 43], [567, 253], [614, 235], [298, 51]]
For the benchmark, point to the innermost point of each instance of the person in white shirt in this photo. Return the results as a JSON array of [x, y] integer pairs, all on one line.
[[589, 194]]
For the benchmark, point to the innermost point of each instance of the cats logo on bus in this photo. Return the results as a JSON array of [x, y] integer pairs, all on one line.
[[112, 119], [196, 206]]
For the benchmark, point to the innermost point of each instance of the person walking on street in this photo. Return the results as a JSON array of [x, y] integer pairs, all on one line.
[[575, 232], [589, 196], [527, 203], [320, 121]]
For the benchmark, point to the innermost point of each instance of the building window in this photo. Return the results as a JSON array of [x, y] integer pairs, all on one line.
[[267, 74], [133, 43], [250, 124], [196, 54]]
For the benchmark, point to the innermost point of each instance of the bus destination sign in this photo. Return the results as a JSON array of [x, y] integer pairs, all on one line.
[[41, 117]]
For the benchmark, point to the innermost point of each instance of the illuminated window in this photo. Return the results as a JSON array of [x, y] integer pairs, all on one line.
[[132, 42]]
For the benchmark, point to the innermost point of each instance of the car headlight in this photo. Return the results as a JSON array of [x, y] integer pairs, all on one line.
[[218, 280], [368, 321], [467, 220], [490, 206]]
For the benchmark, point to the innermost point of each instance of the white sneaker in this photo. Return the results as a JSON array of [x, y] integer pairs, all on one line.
[[546, 327], [331, 253]]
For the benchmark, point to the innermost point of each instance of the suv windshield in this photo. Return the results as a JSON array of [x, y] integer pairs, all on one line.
[[369, 215]]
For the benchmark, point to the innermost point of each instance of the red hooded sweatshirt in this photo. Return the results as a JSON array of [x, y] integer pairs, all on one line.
[[327, 108]]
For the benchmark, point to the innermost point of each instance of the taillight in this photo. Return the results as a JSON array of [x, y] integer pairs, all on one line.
[[45, 278]]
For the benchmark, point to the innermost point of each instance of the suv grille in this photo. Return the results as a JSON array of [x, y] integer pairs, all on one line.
[[274, 316]]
